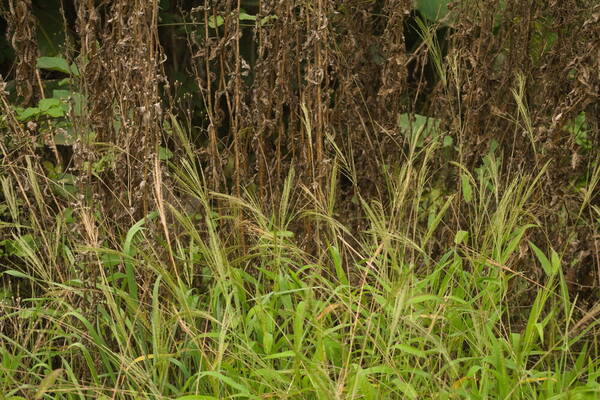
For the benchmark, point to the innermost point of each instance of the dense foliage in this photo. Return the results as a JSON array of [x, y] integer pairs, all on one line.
[[299, 199]]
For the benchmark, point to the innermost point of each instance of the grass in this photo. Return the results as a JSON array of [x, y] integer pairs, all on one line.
[[224, 302], [437, 284]]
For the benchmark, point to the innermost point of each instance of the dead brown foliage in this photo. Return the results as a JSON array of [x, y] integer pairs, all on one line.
[[22, 32], [121, 80], [324, 73]]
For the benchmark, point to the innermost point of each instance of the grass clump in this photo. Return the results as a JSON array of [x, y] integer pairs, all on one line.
[[224, 301]]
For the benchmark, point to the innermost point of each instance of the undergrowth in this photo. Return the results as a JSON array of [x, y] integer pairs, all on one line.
[[299, 200], [187, 307]]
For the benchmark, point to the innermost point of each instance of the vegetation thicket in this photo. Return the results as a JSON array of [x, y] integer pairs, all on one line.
[[318, 199]]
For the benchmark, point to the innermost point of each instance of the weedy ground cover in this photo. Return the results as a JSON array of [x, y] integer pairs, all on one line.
[[299, 200], [186, 313]]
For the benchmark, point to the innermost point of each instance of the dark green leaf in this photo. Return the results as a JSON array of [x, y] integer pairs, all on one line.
[[46, 104], [54, 64], [433, 10], [164, 153], [28, 113]]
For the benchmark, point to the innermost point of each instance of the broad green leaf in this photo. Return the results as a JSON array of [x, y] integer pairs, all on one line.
[[247, 17], [74, 69], [70, 100], [46, 104], [56, 64], [164, 153], [448, 141], [28, 113], [61, 94], [55, 112], [215, 21], [460, 237], [433, 10], [418, 127], [51, 107]]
